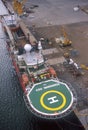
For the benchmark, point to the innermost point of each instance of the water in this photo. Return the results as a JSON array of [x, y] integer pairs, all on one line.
[[14, 114]]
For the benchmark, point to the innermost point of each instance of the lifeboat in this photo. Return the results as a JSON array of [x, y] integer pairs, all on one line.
[[25, 78]]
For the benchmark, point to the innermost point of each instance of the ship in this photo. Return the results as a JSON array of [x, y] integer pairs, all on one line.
[[45, 95]]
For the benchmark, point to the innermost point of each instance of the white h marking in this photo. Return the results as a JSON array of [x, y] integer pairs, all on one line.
[[53, 100]]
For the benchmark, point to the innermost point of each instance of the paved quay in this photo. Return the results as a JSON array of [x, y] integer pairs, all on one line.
[[55, 12]]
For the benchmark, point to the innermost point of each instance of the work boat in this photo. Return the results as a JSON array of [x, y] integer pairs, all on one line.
[[45, 95]]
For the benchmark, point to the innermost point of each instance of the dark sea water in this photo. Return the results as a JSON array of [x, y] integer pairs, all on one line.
[[14, 114]]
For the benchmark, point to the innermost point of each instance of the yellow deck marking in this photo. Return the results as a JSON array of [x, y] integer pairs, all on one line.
[[49, 108]]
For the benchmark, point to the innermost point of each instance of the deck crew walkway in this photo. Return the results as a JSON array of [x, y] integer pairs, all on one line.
[[3, 10]]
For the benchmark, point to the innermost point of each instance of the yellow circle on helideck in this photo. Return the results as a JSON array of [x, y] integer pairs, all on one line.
[[49, 108]]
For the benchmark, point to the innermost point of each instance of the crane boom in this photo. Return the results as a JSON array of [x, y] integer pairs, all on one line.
[[18, 6]]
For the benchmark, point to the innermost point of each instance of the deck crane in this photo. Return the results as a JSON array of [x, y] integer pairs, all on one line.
[[18, 6]]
